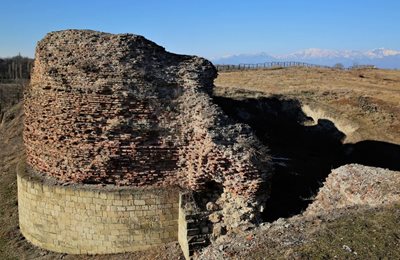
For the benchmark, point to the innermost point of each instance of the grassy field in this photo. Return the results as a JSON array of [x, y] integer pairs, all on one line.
[[373, 234], [367, 100]]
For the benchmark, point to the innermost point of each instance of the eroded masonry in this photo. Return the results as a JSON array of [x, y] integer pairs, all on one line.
[[118, 110]]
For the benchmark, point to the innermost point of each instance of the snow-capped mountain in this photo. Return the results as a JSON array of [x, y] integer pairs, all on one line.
[[314, 53], [381, 53], [381, 57], [243, 58]]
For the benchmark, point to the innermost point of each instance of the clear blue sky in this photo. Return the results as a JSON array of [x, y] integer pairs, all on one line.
[[210, 28]]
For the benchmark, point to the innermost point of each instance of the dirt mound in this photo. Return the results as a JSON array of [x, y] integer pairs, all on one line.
[[356, 185]]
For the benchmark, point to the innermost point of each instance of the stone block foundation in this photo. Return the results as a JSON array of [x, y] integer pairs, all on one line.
[[90, 219]]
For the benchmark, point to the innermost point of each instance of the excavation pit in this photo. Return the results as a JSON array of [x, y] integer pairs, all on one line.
[[304, 151]]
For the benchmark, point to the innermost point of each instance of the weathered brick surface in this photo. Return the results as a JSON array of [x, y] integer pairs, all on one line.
[[80, 219], [119, 109], [95, 115]]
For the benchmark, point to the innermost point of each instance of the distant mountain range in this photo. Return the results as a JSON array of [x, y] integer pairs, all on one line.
[[382, 58]]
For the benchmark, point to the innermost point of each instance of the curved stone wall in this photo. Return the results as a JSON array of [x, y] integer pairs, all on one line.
[[80, 219]]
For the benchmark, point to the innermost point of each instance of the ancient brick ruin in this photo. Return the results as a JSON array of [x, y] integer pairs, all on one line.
[[120, 110]]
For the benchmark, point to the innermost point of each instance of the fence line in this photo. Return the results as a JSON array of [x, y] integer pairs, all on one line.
[[267, 65]]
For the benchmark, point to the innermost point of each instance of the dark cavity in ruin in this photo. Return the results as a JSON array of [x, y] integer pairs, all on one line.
[[303, 155]]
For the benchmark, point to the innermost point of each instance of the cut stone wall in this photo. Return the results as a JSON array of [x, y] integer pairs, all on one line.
[[86, 219]]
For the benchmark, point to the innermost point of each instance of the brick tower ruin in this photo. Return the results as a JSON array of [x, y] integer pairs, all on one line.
[[118, 110]]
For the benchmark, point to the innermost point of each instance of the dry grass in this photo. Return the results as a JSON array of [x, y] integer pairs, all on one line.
[[354, 233], [289, 80], [374, 234], [369, 98]]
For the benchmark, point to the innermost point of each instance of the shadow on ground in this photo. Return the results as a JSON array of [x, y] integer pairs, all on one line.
[[304, 152]]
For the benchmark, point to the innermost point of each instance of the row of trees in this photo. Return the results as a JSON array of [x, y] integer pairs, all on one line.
[[15, 68]]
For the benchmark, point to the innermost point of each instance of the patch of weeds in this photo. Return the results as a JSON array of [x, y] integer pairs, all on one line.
[[4, 250], [374, 234]]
